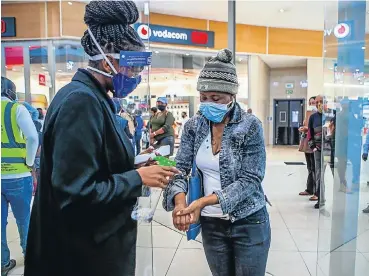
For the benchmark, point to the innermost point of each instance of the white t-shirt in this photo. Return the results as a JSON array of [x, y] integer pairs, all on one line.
[[208, 164]]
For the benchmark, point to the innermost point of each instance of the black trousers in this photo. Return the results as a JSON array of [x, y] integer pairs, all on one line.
[[310, 164]]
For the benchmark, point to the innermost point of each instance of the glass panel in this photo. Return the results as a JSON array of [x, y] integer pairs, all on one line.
[[343, 240], [40, 76], [68, 58]]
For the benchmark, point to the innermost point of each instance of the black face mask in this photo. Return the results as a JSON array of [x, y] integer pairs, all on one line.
[[162, 107]]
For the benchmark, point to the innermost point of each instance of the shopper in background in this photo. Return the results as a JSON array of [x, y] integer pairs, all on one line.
[[227, 145], [81, 218], [182, 123], [315, 128], [162, 131], [309, 155], [365, 159], [138, 130], [249, 111], [122, 123], [41, 116], [19, 142], [146, 133]]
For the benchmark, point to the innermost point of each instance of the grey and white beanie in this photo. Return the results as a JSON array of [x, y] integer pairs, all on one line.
[[219, 74]]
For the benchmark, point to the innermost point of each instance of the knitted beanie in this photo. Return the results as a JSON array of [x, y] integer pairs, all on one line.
[[219, 74]]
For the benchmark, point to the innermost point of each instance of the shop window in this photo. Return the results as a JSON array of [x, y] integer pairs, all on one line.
[[14, 65]]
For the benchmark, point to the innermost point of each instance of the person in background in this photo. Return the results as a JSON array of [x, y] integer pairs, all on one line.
[[249, 111], [309, 155], [315, 129], [147, 130], [35, 118], [162, 131], [19, 142], [41, 116], [122, 123], [365, 159], [227, 145], [138, 131], [81, 218], [182, 123]]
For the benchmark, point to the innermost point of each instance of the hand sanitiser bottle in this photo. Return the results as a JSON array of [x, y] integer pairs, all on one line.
[[146, 204]]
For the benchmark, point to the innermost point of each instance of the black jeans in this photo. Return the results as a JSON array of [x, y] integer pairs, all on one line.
[[237, 249], [310, 164]]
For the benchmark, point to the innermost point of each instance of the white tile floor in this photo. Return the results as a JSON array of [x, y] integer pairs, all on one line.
[[296, 230]]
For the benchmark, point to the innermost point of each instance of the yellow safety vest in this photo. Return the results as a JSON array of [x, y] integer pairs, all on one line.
[[13, 144]]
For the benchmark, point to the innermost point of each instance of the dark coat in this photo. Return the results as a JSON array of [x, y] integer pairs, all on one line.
[[80, 222]]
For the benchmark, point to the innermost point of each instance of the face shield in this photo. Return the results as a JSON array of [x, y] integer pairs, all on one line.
[[128, 76]]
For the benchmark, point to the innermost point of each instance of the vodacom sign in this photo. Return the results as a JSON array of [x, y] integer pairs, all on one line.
[[341, 30]]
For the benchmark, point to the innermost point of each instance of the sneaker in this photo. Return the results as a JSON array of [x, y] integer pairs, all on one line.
[[366, 210], [5, 269]]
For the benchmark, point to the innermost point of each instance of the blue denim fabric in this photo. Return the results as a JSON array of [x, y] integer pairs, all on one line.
[[17, 192], [242, 163], [167, 141], [240, 248]]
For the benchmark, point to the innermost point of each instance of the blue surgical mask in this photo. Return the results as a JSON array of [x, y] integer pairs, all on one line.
[[123, 85], [214, 112]]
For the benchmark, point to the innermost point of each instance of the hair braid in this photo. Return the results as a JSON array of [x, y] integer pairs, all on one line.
[[110, 22]]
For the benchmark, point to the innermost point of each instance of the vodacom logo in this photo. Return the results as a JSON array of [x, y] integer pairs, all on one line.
[[341, 30], [144, 31]]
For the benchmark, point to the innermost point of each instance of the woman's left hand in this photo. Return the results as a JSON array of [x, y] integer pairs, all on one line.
[[194, 210]]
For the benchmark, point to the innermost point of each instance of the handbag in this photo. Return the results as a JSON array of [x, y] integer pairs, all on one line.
[[304, 144], [195, 191]]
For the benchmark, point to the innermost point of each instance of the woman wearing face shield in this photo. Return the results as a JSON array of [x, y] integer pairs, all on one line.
[[227, 145], [81, 219]]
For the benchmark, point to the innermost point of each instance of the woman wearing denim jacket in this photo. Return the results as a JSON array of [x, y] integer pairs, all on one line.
[[228, 147]]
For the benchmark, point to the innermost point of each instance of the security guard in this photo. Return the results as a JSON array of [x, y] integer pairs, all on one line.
[[19, 142]]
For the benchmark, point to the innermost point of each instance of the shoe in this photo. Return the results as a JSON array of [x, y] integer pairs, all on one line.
[[317, 205], [314, 198], [305, 193], [366, 210], [5, 269]]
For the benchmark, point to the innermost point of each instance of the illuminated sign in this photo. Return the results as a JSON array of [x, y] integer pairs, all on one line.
[[172, 35], [8, 27]]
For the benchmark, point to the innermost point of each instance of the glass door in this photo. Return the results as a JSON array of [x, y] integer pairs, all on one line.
[[343, 233]]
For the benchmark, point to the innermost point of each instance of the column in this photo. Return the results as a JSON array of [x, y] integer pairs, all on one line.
[[232, 27]]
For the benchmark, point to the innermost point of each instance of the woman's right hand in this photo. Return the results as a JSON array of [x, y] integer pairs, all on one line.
[[157, 176]]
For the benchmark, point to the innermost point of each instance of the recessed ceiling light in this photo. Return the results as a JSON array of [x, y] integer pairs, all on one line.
[[325, 51], [70, 3], [363, 47], [187, 54], [186, 71], [282, 10]]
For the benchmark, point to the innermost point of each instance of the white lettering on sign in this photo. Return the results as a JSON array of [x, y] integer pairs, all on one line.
[[173, 35]]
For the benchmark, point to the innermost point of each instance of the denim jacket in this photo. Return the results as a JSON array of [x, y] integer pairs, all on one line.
[[242, 163]]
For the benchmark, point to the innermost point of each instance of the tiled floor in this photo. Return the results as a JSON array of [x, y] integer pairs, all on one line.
[[296, 230]]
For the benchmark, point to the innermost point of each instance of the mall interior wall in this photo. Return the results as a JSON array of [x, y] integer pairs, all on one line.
[[259, 94], [315, 79]]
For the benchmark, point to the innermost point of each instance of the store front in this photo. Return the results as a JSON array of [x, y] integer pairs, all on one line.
[[40, 68]]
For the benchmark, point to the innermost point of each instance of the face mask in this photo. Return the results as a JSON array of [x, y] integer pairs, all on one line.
[[214, 112], [122, 84], [162, 107], [312, 108]]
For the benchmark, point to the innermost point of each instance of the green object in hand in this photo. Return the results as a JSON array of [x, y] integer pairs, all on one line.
[[164, 161]]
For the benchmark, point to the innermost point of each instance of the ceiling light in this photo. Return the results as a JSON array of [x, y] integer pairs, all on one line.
[[325, 51], [186, 71], [363, 47], [156, 52], [187, 54], [282, 10], [70, 3], [43, 67], [331, 68], [240, 59]]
